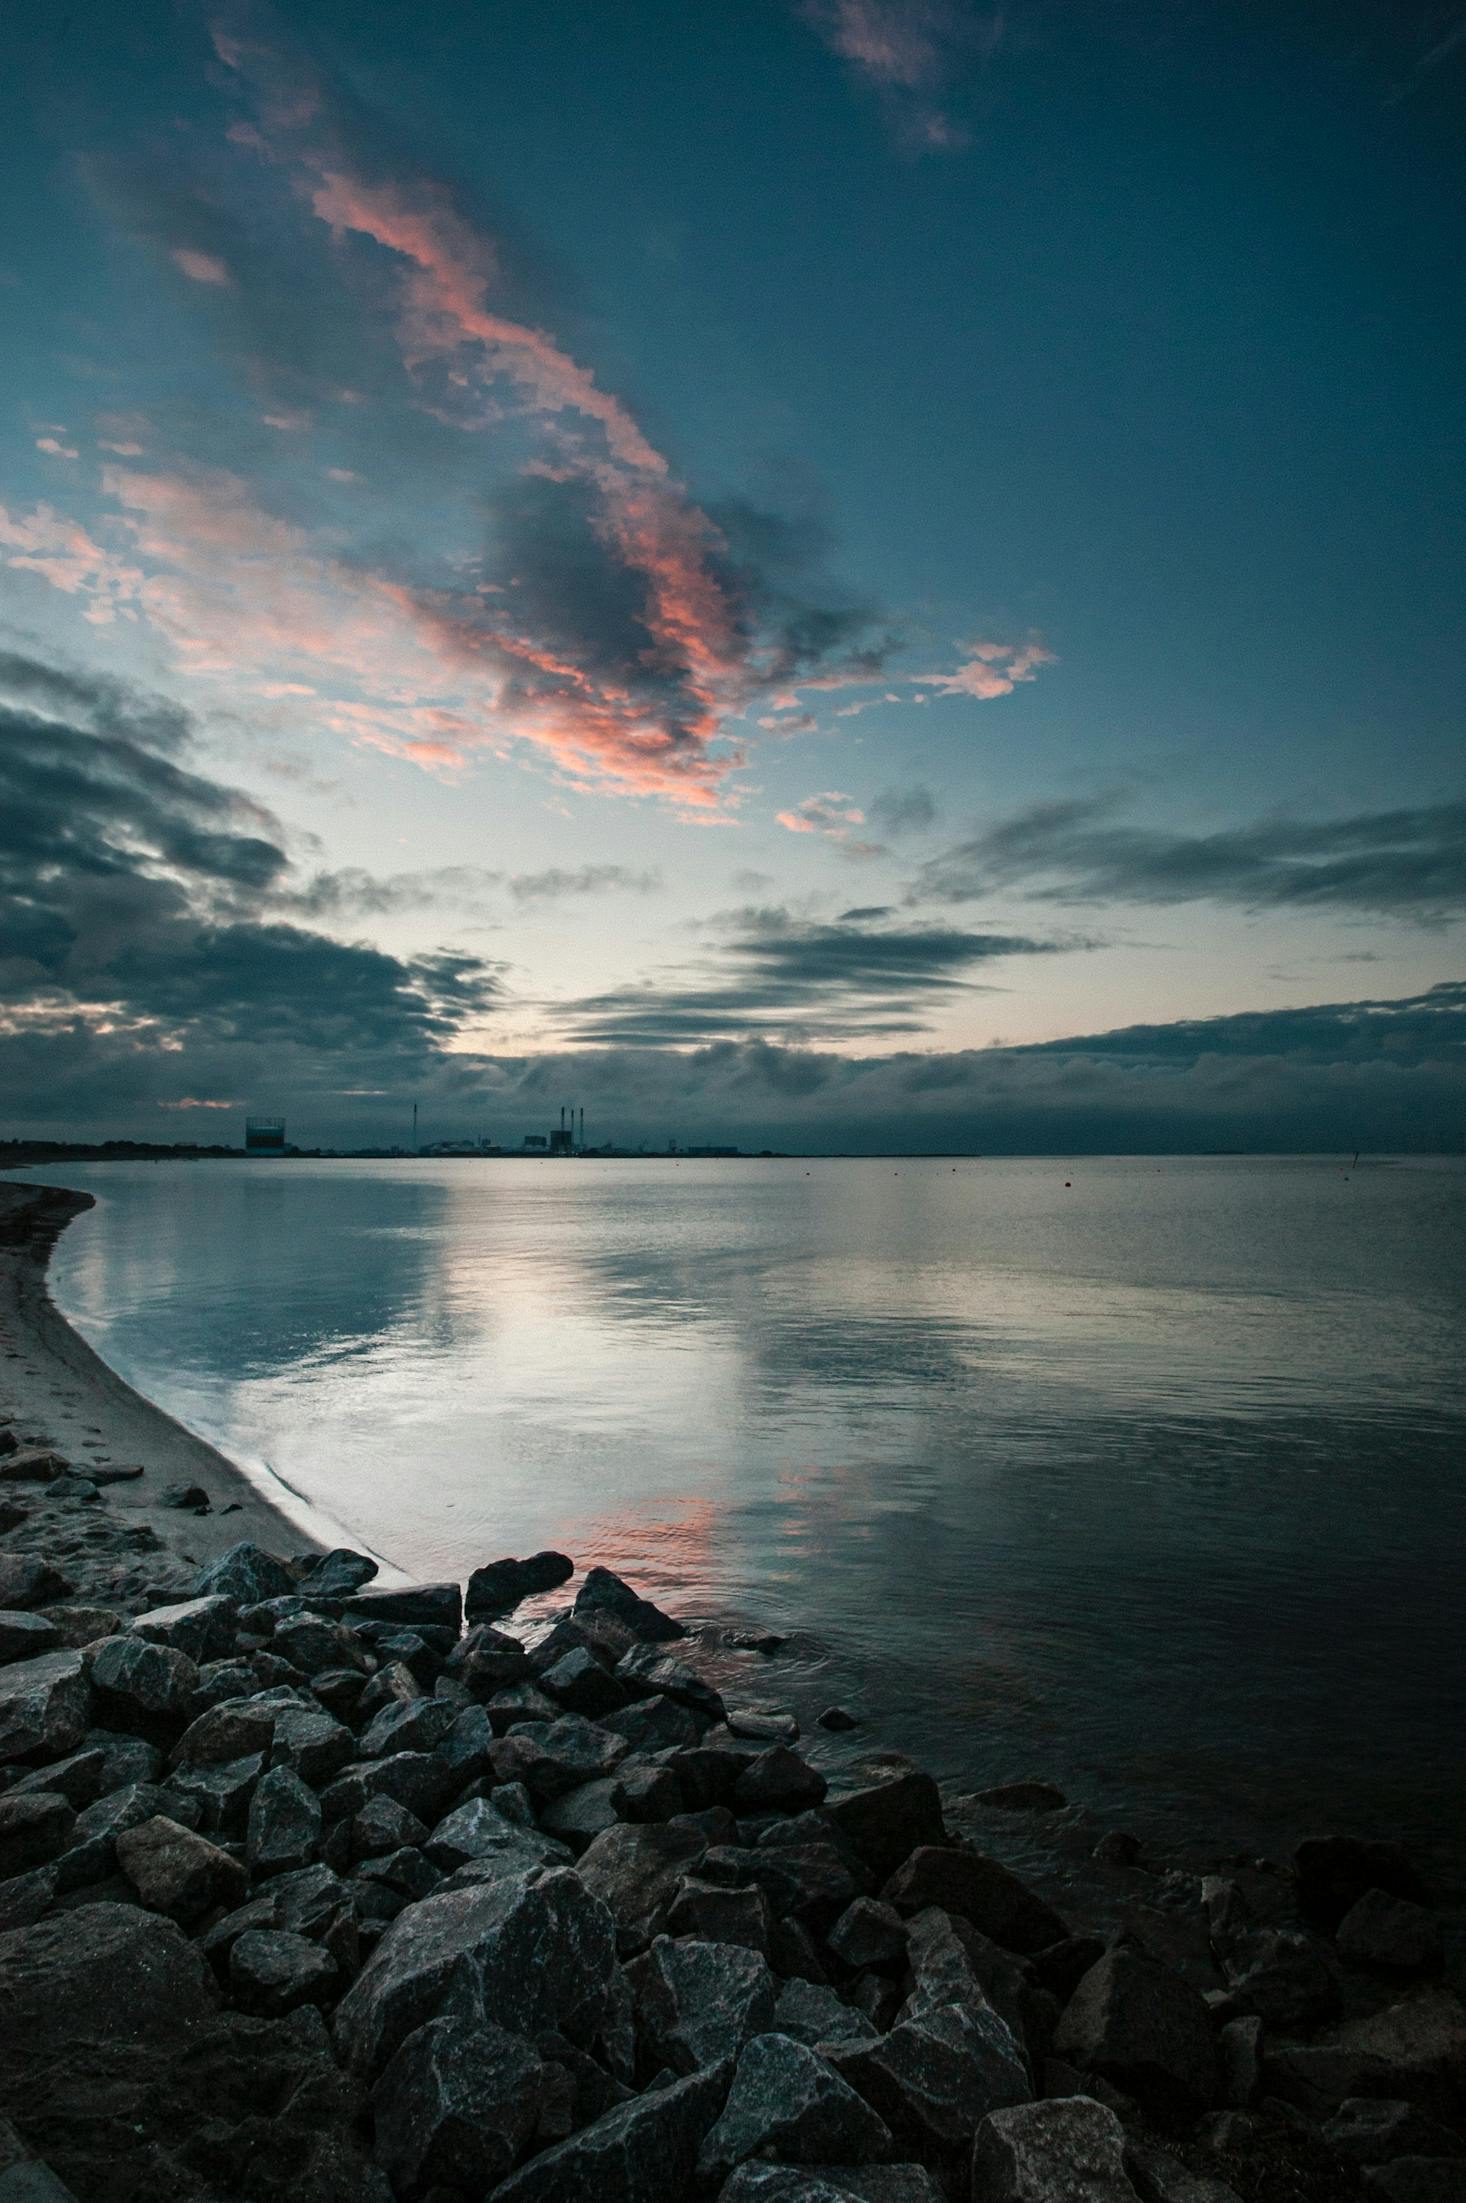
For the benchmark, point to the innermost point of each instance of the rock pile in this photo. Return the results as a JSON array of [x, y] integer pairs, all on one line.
[[305, 1890]]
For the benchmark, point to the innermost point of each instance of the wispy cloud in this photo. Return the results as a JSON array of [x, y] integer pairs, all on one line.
[[989, 669], [776, 975], [831, 814], [1410, 863], [911, 53]]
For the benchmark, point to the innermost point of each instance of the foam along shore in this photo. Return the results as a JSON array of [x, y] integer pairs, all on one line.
[[53, 1386], [308, 1891]]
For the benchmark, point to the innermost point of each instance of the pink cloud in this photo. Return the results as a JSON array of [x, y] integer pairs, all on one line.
[[909, 51], [55, 449], [990, 670], [61, 551], [200, 267], [831, 814]]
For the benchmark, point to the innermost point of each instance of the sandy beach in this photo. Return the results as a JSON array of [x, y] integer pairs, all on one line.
[[59, 1393]]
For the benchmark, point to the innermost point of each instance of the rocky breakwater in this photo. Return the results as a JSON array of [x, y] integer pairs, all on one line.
[[306, 1889]]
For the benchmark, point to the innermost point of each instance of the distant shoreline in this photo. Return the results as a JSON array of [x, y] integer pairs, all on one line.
[[55, 1386]]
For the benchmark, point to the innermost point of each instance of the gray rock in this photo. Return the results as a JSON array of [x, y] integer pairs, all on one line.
[[528, 1953], [246, 1575], [237, 1728], [978, 1889], [583, 1814], [604, 1592], [204, 1629], [45, 1705], [763, 1724], [754, 2182], [25, 2179], [177, 1872], [284, 1823], [868, 1933], [337, 1574], [93, 1853], [272, 1971], [144, 1686], [477, 1833], [1367, 2130], [23, 1635], [456, 2106], [937, 2075], [1281, 1975], [1390, 1935], [27, 1581], [579, 1682], [809, 2012], [219, 1796], [1418, 2180], [501, 1586], [1144, 2029], [1414, 2050], [1022, 1797], [634, 1869], [886, 1821], [643, 1791], [700, 2002], [645, 2151], [789, 2102], [1158, 2177], [656, 1725], [646, 1670], [34, 1828], [1069, 2150], [418, 1725], [80, 1777], [778, 1781], [187, 1498], [311, 1742], [317, 1647], [716, 1915], [104, 1971], [811, 1881], [1240, 2046], [552, 1757], [421, 1605], [380, 1828], [418, 1780], [466, 1747]]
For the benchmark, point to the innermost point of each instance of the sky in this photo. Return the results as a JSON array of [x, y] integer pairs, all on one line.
[[824, 573]]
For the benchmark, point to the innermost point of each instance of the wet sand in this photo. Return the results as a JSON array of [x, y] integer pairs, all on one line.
[[57, 1392]]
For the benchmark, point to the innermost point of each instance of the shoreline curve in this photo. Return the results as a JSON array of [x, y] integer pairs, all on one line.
[[57, 1387]]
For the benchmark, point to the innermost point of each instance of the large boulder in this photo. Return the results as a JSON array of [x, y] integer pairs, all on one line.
[[34, 1827], [528, 1953], [95, 1973], [634, 1869], [778, 1781], [477, 1834], [937, 2075], [978, 1889], [788, 2102], [498, 1588], [245, 1574], [1390, 1935], [284, 1823], [27, 1580], [607, 1593], [553, 1757], [45, 1705], [886, 1821], [203, 1628], [1071, 2150], [1414, 2051], [699, 2002], [176, 1871], [23, 1635], [1136, 2023], [337, 1574], [271, 1971], [417, 1606], [644, 2151], [141, 1686], [456, 2107]]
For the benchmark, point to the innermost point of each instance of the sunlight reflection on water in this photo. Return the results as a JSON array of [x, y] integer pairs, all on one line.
[[1153, 1482]]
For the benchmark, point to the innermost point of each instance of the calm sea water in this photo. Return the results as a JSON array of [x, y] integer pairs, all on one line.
[[1152, 1482]]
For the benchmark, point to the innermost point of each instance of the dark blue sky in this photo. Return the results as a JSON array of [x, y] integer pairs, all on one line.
[[845, 526]]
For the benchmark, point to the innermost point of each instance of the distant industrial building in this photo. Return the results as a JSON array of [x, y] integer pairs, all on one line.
[[265, 1136]]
